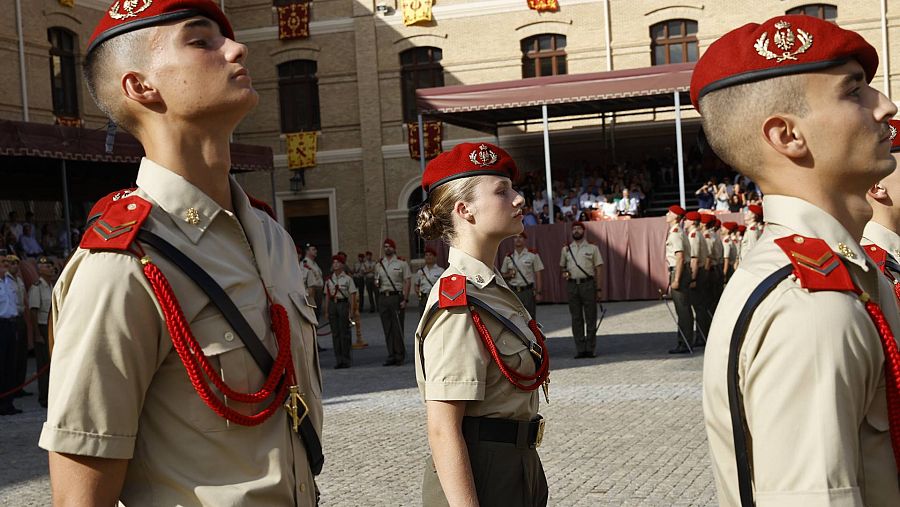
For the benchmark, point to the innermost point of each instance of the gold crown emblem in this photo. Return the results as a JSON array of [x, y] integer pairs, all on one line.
[[893, 132], [483, 156], [785, 40], [130, 8]]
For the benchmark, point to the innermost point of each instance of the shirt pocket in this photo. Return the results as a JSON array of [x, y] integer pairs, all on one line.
[[514, 352], [306, 357], [230, 359]]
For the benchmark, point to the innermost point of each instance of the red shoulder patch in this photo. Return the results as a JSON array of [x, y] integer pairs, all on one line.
[[261, 205], [693, 234], [453, 291], [118, 225], [533, 250], [104, 202], [815, 264], [877, 254]]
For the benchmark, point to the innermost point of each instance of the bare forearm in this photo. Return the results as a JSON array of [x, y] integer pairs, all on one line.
[[695, 268], [77, 481], [448, 449]]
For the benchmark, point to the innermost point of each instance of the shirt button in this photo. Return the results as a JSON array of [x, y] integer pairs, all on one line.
[[302, 487], [229, 336]]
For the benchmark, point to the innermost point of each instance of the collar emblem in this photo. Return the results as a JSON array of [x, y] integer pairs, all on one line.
[[192, 216], [845, 251], [479, 279], [130, 8], [784, 39], [893, 132], [483, 156]]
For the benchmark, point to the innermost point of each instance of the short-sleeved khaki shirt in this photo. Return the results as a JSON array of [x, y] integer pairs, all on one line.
[[880, 235], [713, 247], [340, 287], [21, 295], [811, 373], [40, 297], [426, 278], [312, 273], [729, 248], [391, 270], [676, 242], [118, 388], [583, 254], [525, 265], [368, 267], [751, 237], [698, 246], [452, 362]]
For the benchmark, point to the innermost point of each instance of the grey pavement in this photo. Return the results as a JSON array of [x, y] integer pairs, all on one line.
[[624, 429]]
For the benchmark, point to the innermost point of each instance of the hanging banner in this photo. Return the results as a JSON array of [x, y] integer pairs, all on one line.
[[67, 3], [293, 20], [416, 11], [543, 5], [433, 138], [301, 150]]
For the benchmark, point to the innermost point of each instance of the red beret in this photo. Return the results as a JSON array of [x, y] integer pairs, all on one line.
[[368, 252], [678, 210], [718, 223], [730, 225], [431, 251], [742, 228], [781, 46], [895, 136], [131, 15], [340, 258], [389, 241], [693, 216], [468, 159], [578, 224], [706, 218], [756, 209]]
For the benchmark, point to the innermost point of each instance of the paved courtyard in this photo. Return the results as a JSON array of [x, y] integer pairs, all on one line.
[[622, 429]]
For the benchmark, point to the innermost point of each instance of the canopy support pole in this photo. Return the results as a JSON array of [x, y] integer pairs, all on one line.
[[272, 183], [680, 149], [550, 205], [422, 152], [67, 243], [23, 78]]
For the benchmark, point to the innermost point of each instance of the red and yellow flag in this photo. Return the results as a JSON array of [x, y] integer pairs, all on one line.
[[543, 5], [433, 131], [301, 150], [67, 3], [293, 20], [416, 11]]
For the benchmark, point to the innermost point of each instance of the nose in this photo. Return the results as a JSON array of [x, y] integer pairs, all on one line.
[[885, 108], [519, 200], [235, 51]]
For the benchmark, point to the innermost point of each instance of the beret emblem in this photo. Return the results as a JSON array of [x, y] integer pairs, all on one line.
[[785, 40], [483, 156], [893, 132], [130, 7]]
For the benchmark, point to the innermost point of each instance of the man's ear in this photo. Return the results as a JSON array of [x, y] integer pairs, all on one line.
[[784, 135], [878, 192], [136, 87]]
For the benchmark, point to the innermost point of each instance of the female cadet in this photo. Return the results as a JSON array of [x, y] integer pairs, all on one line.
[[480, 357]]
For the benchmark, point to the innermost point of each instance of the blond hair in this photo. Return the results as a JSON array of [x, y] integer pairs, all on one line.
[[435, 217]]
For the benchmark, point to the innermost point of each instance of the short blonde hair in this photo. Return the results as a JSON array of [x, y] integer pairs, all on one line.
[[435, 218]]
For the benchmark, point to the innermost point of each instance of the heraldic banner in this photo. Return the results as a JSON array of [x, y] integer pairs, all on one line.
[[293, 19], [67, 3], [301, 150], [543, 5], [415, 11], [433, 137]]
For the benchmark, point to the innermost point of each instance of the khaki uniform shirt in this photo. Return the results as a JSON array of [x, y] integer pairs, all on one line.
[[312, 273], [39, 298], [729, 249], [880, 235], [584, 255], [676, 242], [369, 269], [811, 374], [714, 247], [699, 248], [426, 278], [391, 270], [21, 294], [457, 365], [358, 270], [528, 264], [751, 236], [119, 390], [340, 287]]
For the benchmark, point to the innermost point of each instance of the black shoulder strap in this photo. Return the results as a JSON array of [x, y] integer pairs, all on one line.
[[741, 433], [387, 274], [517, 268], [892, 265], [569, 248]]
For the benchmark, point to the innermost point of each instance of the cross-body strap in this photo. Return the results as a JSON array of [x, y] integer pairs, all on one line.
[[519, 270], [387, 274], [569, 248]]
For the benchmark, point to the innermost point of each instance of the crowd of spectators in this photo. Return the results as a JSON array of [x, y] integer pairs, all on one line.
[[728, 194], [27, 239]]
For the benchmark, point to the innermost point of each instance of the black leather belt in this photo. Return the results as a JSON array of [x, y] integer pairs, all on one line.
[[522, 288], [579, 281], [522, 434], [391, 293]]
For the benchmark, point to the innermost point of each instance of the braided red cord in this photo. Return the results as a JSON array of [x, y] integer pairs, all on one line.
[[196, 363], [896, 285], [891, 373], [514, 377]]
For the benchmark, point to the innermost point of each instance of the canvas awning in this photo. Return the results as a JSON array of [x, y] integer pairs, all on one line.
[[486, 106]]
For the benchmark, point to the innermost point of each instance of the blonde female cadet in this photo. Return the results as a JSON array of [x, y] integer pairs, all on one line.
[[480, 357]]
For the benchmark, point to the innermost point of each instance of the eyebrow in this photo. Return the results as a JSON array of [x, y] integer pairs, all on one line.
[[198, 23], [853, 78]]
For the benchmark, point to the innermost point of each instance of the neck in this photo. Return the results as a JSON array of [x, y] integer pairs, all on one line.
[[429, 264], [578, 240], [850, 208], [520, 248], [886, 216], [199, 155], [482, 248]]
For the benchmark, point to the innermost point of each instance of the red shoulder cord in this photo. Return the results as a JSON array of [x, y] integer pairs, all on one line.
[[197, 364], [515, 378], [891, 370]]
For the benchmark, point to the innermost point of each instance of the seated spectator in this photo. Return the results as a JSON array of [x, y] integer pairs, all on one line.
[[706, 195], [50, 239], [528, 217], [566, 208], [627, 205], [584, 216], [544, 217], [28, 244], [734, 203], [539, 200], [14, 225], [722, 197]]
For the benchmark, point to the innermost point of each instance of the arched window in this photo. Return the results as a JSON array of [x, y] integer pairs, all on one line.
[[416, 243], [420, 68], [298, 94], [822, 11], [674, 41], [63, 77], [544, 55]]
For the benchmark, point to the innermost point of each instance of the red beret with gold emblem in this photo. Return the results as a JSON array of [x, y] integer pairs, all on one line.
[[340, 258], [678, 210], [431, 251], [707, 218], [730, 225], [125, 16], [468, 159], [895, 136], [693, 216], [781, 46]]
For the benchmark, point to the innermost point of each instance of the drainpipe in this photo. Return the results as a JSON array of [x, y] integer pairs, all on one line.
[[885, 51], [22, 77], [609, 65]]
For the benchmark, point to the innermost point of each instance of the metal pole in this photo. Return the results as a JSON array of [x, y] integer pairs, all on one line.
[[680, 149], [65, 184], [23, 80], [885, 50], [272, 183], [547, 162], [609, 65], [222, 5]]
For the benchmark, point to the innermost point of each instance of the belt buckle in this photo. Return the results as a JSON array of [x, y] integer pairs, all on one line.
[[536, 350], [540, 433], [292, 407]]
